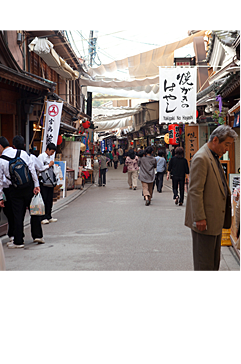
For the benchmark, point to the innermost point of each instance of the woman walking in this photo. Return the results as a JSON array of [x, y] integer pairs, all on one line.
[[178, 167], [103, 160], [132, 168], [147, 166]]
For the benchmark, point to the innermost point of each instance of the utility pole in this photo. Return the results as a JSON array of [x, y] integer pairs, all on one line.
[[91, 49]]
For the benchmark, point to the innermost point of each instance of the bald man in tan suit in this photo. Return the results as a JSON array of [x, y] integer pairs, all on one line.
[[208, 208]]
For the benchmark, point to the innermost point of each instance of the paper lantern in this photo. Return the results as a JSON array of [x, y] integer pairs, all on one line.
[[174, 134], [131, 143], [113, 145], [197, 114], [86, 124], [166, 138], [60, 139]]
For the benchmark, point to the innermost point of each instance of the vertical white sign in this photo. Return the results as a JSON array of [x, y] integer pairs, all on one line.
[[178, 88], [52, 123]]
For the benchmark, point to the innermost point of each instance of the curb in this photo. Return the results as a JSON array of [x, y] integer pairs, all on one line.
[[56, 207]]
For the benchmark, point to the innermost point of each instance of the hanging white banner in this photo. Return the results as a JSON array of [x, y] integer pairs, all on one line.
[[177, 90], [52, 123]]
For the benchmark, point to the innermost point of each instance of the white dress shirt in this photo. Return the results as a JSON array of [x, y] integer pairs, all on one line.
[[4, 168], [45, 160]]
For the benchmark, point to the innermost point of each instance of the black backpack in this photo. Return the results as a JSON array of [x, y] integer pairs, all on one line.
[[20, 175]]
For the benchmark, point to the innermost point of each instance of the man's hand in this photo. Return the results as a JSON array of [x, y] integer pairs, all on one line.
[[201, 225], [1, 203], [36, 190], [51, 163]]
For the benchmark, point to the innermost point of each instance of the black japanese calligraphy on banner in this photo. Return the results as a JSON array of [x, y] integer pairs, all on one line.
[[177, 94], [52, 123]]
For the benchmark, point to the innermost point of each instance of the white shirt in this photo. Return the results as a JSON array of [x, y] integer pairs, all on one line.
[[38, 165], [4, 168], [45, 160]]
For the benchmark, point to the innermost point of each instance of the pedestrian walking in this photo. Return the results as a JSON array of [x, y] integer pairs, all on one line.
[[121, 152], [115, 158], [47, 191], [103, 160], [110, 156], [208, 208], [147, 165], [178, 168], [22, 182], [160, 170], [35, 222], [132, 169]]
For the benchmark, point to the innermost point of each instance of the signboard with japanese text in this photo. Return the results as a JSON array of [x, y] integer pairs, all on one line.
[[177, 94], [52, 123], [191, 141], [62, 178]]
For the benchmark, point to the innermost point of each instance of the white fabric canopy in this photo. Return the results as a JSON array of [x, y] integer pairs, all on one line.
[[113, 113], [44, 48], [130, 94], [146, 64], [114, 124]]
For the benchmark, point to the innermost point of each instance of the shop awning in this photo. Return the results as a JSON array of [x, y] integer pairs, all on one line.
[[146, 64], [67, 128], [234, 108], [44, 48]]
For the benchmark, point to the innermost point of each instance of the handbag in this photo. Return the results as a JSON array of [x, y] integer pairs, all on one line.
[[125, 169]]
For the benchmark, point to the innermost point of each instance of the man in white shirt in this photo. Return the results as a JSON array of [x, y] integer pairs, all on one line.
[[47, 159], [20, 198], [121, 152]]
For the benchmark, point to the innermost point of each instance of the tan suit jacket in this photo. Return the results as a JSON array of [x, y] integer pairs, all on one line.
[[206, 198]]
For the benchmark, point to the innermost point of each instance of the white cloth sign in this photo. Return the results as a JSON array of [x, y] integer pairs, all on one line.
[[52, 123], [178, 88]]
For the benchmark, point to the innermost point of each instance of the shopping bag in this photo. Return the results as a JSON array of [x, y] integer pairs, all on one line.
[[2, 258], [37, 206], [124, 169]]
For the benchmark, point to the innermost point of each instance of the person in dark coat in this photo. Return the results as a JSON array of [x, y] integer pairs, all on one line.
[[178, 168]]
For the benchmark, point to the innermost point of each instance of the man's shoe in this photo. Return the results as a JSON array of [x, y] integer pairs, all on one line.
[[180, 203], [14, 246], [39, 240], [130, 187], [103, 185], [45, 221], [53, 220], [148, 202], [11, 240], [134, 188], [176, 200]]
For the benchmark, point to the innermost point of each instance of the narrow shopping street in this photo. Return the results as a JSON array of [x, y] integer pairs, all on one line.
[[110, 229]]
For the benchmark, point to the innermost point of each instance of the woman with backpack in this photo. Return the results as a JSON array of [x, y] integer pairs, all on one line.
[[115, 158]]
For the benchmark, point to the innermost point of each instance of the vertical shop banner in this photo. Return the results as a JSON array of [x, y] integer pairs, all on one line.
[[178, 88], [109, 145], [52, 123], [102, 146]]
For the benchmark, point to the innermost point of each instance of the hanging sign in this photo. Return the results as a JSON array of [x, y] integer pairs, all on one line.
[[177, 95], [102, 146], [52, 123]]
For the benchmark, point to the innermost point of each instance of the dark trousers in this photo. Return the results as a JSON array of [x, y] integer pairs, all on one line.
[[206, 251], [178, 181], [159, 181], [121, 159], [115, 164], [103, 176], [20, 201], [47, 194]]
